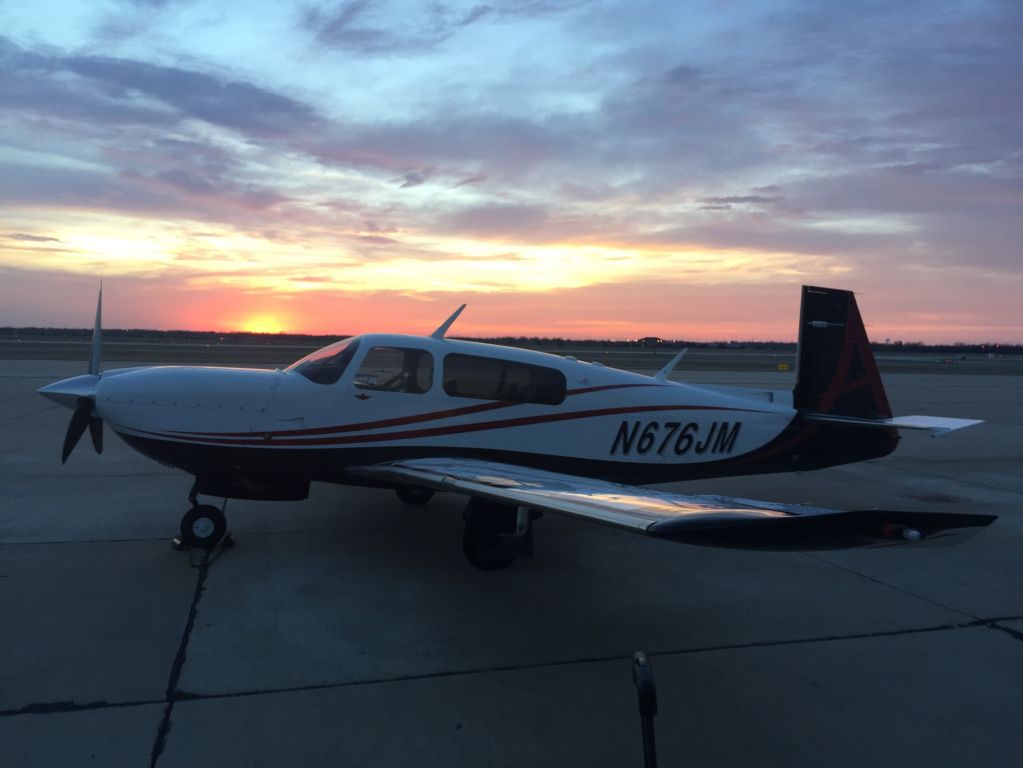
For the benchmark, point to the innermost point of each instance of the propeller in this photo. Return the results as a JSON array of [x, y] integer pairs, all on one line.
[[85, 416]]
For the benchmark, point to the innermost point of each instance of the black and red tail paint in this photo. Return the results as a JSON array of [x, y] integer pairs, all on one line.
[[837, 376], [836, 373]]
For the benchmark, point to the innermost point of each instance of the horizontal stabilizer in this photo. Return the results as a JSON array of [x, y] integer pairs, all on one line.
[[936, 425]]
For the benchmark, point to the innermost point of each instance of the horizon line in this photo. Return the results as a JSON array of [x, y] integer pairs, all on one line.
[[666, 341]]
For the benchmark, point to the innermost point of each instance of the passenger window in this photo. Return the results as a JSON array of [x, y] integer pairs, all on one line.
[[396, 369], [466, 376], [487, 378]]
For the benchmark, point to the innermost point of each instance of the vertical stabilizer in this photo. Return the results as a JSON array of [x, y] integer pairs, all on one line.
[[835, 370]]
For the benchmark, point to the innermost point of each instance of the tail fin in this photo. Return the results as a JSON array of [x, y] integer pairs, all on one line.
[[835, 371]]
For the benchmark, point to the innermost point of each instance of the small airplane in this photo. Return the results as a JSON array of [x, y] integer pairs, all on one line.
[[520, 433]]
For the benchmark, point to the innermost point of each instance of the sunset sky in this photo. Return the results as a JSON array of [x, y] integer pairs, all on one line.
[[583, 169]]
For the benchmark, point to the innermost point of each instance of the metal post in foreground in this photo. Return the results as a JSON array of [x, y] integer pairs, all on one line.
[[646, 690]]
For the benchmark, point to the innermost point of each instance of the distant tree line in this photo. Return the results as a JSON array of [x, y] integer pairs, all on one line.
[[211, 338]]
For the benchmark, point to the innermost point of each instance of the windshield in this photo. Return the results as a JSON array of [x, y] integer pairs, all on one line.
[[325, 366]]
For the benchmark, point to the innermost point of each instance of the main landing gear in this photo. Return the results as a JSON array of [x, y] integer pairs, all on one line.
[[203, 526], [414, 495], [495, 534]]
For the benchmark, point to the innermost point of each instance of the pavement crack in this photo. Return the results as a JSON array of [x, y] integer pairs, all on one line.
[[882, 583], [1013, 633], [160, 742], [174, 694], [973, 624], [56, 707]]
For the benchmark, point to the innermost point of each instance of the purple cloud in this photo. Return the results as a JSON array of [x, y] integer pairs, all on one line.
[[379, 27], [740, 200], [232, 104]]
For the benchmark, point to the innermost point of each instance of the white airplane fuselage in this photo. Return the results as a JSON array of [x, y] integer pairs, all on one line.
[[224, 421]]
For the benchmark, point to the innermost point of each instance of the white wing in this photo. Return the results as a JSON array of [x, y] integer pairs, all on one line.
[[711, 520]]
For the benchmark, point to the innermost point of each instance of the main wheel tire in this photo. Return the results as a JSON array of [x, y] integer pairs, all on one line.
[[203, 526], [481, 537], [414, 495], [470, 548]]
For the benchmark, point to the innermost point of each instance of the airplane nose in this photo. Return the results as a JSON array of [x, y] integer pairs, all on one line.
[[186, 399], [69, 391], [79, 394]]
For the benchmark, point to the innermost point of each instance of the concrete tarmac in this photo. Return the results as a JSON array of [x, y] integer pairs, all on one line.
[[348, 630]]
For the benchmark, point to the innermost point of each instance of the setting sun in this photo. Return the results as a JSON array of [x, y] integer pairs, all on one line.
[[262, 324]]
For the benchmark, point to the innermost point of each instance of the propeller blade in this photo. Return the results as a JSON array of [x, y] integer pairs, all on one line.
[[84, 388], [79, 423], [97, 335], [96, 433]]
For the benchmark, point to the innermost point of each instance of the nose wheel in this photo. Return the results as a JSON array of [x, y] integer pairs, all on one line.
[[203, 526]]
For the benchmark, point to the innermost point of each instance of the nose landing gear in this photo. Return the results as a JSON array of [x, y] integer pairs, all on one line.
[[203, 526]]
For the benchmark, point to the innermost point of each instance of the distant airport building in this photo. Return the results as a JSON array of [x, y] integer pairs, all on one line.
[[651, 341]]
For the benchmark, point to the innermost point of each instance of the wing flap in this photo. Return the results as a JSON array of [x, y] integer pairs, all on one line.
[[720, 521], [613, 504]]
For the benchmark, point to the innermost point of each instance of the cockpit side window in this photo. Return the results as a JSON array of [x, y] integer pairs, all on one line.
[[396, 369], [326, 365], [489, 378]]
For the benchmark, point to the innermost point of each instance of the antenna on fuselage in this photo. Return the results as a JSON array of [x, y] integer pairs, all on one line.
[[439, 333], [662, 375]]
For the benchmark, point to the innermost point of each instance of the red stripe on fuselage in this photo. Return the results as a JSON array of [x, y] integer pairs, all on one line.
[[267, 439]]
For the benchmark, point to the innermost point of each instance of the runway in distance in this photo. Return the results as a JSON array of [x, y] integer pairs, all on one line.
[[520, 433]]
